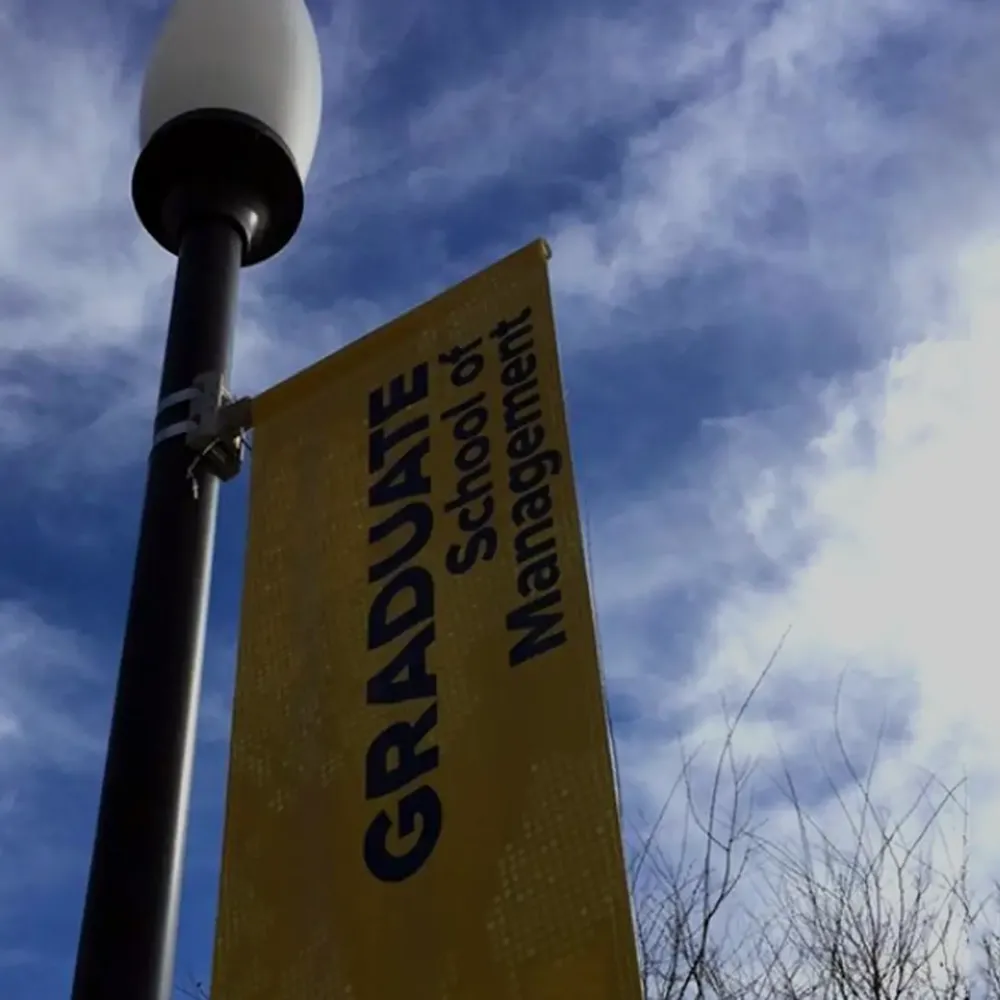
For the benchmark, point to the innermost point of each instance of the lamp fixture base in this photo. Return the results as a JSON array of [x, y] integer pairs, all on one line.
[[213, 162]]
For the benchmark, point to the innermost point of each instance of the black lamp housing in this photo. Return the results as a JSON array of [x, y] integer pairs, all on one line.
[[212, 162]]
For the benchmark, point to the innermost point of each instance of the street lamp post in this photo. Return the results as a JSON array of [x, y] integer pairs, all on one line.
[[229, 121]]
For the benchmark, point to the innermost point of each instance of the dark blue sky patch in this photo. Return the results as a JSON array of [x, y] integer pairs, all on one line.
[[677, 379]]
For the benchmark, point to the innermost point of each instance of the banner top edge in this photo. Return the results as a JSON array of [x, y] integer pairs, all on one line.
[[269, 399]]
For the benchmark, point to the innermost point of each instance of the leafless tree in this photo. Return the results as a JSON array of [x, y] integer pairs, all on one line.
[[855, 910], [192, 990], [680, 894]]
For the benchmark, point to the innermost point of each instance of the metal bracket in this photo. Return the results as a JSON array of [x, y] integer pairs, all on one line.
[[215, 426]]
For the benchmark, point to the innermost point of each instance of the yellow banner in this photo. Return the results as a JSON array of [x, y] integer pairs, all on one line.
[[421, 803]]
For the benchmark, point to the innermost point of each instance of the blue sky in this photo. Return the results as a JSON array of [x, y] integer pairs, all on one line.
[[775, 234]]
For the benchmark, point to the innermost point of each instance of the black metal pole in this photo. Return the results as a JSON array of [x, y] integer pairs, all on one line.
[[128, 935]]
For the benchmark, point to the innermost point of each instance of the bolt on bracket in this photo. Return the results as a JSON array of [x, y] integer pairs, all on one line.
[[217, 426]]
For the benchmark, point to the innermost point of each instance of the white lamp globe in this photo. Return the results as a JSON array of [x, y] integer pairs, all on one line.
[[258, 57], [229, 120]]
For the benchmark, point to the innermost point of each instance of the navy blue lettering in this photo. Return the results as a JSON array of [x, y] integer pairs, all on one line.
[[540, 624], [383, 628], [394, 760], [380, 442], [402, 835], [481, 545], [405, 480], [386, 401], [421, 809], [405, 677], [420, 518]]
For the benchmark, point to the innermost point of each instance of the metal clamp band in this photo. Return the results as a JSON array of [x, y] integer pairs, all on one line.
[[214, 425], [173, 398], [174, 430]]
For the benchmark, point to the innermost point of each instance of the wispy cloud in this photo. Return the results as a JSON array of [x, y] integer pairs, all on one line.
[[819, 161], [44, 670], [776, 220]]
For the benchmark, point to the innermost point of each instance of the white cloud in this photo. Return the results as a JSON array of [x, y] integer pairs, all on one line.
[[882, 529], [860, 513], [787, 117], [44, 723]]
